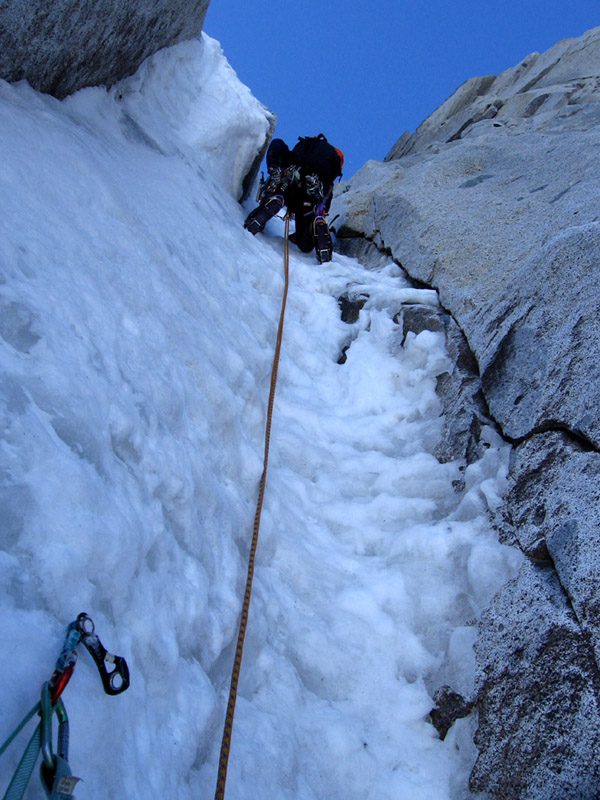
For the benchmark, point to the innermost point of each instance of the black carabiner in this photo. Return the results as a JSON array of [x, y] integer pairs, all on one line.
[[113, 670]]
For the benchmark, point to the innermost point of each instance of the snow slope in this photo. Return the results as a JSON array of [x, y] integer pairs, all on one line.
[[137, 324]]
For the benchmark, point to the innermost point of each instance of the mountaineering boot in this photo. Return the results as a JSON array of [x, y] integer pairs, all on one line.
[[323, 245], [255, 221]]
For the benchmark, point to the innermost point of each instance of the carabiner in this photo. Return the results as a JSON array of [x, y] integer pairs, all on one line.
[[46, 711], [46, 726]]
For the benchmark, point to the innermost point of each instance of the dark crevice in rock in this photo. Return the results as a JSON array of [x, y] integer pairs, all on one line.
[[535, 105], [475, 181], [356, 245], [578, 439], [489, 112], [560, 194], [370, 254], [538, 77]]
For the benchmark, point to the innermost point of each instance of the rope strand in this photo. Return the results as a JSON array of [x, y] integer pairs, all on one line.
[[237, 661]]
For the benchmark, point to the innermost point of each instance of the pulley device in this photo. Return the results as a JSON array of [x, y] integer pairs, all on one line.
[[57, 780]]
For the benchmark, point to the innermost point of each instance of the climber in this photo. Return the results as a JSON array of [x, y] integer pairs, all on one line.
[[301, 179]]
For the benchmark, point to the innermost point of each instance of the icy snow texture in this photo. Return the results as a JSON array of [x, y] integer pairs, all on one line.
[[137, 326]]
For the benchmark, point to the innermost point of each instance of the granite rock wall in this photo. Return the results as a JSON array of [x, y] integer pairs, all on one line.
[[493, 202], [58, 47]]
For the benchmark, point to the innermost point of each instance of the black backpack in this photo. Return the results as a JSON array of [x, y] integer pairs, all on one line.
[[315, 154]]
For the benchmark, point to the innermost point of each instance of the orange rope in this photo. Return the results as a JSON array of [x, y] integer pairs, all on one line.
[[237, 661]]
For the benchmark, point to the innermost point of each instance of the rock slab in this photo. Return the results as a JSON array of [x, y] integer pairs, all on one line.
[[59, 47]]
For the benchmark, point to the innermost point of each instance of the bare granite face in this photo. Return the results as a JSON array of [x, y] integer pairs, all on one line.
[[493, 202], [537, 698], [61, 46]]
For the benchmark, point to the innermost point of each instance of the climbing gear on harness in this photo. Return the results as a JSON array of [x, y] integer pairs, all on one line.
[[323, 244], [55, 773], [237, 662], [278, 181], [314, 187], [272, 185], [292, 175]]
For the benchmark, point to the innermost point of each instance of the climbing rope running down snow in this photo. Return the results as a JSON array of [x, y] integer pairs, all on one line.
[[237, 661]]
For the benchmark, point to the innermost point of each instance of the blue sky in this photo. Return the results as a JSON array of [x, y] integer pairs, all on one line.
[[364, 72]]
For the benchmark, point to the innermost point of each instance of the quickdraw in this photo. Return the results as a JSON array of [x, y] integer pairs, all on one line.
[[57, 780]]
